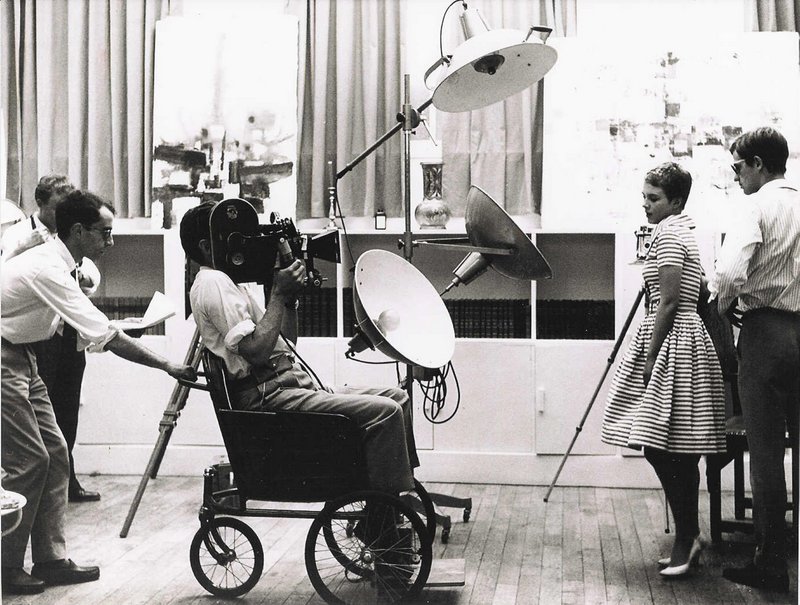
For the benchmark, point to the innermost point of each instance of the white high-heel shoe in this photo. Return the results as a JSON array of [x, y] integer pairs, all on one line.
[[681, 570]]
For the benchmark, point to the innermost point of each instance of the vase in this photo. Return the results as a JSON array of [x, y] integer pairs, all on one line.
[[432, 212]]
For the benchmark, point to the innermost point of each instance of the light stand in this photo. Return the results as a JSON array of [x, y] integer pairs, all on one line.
[[408, 120]]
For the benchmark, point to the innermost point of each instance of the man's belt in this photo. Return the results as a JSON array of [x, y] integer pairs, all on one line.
[[260, 375], [768, 311]]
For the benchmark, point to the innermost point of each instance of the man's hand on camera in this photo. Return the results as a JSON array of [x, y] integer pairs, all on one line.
[[289, 281]]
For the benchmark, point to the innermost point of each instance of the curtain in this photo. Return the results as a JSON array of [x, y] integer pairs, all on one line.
[[776, 15], [349, 93], [77, 94], [499, 148]]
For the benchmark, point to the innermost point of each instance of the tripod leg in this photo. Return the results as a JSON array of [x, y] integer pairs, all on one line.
[[168, 421], [161, 445], [611, 358]]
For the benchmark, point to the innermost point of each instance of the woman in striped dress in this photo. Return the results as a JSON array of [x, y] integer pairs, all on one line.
[[667, 395]]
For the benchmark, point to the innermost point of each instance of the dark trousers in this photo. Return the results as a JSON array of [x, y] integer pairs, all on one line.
[[769, 388], [61, 368]]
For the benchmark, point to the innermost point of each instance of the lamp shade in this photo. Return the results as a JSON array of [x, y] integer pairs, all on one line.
[[490, 66], [488, 225], [499, 242], [399, 312]]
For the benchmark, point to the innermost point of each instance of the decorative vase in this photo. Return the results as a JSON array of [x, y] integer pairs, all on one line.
[[432, 212]]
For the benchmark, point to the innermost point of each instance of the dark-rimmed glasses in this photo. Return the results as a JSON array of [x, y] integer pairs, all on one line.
[[737, 166], [105, 232]]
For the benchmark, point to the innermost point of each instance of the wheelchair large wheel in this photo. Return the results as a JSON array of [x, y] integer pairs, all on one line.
[[422, 503], [346, 546], [226, 556], [387, 558]]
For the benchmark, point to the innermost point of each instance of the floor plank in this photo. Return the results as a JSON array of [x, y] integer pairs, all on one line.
[[585, 545]]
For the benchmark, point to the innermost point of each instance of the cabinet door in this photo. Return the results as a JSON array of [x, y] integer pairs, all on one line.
[[567, 373]]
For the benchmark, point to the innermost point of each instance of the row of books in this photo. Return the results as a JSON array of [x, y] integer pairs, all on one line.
[[575, 319], [478, 318], [316, 315]]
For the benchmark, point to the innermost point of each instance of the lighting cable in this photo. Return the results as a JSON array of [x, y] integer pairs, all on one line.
[[434, 392]]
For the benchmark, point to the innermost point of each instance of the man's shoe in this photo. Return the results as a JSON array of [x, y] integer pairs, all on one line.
[[17, 581], [64, 571], [757, 578], [82, 495]]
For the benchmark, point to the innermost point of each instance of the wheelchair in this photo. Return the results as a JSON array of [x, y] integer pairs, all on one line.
[[363, 546]]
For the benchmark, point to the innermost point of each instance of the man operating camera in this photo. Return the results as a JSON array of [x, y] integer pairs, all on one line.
[[257, 346]]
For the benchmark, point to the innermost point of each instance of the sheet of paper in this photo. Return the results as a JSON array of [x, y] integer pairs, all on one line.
[[159, 309]]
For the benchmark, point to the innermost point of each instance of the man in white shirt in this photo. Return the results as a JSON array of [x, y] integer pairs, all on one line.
[[760, 264], [38, 294], [61, 364]]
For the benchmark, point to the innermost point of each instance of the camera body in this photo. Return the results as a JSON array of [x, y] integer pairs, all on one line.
[[250, 252]]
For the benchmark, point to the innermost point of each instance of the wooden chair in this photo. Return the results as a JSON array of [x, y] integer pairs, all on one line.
[[736, 437]]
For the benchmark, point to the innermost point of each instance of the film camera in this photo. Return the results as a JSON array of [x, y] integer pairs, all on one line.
[[249, 252]]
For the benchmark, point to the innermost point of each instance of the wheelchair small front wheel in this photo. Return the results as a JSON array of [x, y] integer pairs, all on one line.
[[226, 557]]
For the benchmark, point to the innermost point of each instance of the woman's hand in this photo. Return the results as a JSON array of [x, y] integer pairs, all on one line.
[[648, 370]]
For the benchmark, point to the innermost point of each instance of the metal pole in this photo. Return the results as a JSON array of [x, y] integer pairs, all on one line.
[[611, 358]]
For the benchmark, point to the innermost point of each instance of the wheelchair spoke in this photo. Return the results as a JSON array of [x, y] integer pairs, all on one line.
[[368, 551]]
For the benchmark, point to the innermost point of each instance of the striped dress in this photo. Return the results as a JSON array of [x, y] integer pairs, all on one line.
[[682, 409]]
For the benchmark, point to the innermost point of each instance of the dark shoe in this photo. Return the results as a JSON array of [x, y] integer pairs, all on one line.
[[757, 578], [64, 571], [82, 495], [17, 581]]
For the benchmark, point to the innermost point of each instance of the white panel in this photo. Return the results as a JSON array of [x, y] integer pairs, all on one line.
[[568, 373], [497, 398]]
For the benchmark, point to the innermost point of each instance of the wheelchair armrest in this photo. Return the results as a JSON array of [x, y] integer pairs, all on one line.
[[201, 386]]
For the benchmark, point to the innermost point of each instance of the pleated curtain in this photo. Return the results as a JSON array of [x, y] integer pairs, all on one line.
[[77, 96]]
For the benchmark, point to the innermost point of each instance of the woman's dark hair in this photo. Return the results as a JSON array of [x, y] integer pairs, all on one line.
[[766, 143], [673, 178], [195, 227], [79, 207]]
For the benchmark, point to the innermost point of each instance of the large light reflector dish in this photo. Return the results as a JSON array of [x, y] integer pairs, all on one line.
[[400, 312]]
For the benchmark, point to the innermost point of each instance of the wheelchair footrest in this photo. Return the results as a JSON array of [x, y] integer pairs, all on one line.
[[447, 572]]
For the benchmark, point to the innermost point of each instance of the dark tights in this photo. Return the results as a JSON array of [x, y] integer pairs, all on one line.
[[680, 479]]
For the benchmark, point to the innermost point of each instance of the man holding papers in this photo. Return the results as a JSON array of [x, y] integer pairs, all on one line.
[[40, 294]]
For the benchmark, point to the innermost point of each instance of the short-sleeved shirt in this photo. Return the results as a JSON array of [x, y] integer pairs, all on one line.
[[225, 312]]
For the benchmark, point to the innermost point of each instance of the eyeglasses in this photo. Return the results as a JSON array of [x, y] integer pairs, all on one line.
[[736, 166], [105, 233]]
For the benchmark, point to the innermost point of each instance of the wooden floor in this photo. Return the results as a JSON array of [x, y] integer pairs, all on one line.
[[586, 545]]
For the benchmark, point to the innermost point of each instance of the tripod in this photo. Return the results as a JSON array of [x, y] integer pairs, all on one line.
[[177, 401], [610, 362]]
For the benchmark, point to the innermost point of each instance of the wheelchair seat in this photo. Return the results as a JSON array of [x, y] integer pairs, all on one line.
[[286, 456]]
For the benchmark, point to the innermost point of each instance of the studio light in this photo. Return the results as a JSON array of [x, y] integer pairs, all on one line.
[[494, 240], [399, 313], [491, 65]]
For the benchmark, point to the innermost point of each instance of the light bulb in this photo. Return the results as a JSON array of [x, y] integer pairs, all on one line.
[[388, 320]]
